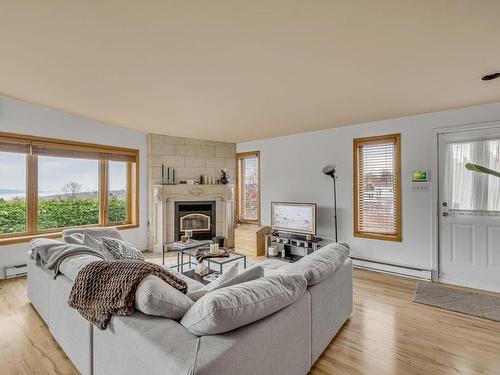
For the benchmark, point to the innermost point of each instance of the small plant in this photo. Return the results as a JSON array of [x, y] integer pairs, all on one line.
[[480, 169]]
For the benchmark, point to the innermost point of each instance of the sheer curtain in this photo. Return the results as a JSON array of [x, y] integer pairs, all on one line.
[[467, 190]]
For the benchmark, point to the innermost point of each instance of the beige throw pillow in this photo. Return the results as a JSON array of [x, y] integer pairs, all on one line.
[[229, 308], [319, 265], [231, 272], [155, 297]]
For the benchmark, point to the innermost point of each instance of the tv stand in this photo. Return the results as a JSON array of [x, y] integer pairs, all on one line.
[[288, 244]]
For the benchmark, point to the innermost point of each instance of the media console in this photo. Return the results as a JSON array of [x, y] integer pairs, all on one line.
[[291, 246]]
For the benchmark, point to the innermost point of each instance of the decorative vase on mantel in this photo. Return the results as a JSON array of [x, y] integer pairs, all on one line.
[[224, 177]]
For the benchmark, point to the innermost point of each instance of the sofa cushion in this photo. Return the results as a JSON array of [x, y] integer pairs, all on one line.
[[92, 237], [96, 244], [249, 274], [155, 297], [271, 266], [231, 272], [235, 306], [73, 238], [319, 265], [75, 235], [72, 265], [191, 283], [121, 249]]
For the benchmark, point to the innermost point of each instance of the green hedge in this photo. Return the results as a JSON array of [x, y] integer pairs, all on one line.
[[59, 213], [12, 216]]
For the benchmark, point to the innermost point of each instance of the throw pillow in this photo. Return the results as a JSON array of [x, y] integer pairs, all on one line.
[[319, 265], [239, 305], [92, 237], [121, 249], [231, 272], [252, 273], [155, 297], [75, 238], [108, 232], [96, 243]]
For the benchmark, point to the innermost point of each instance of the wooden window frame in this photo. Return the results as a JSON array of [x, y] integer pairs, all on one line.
[[133, 182], [239, 157], [357, 142]]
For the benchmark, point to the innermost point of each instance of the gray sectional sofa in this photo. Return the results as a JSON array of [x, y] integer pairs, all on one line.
[[287, 342]]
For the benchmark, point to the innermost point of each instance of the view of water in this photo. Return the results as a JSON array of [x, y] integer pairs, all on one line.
[[11, 194], [8, 194]]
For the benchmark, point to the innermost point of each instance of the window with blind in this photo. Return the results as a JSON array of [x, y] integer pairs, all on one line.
[[248, 187], [47, 185], [377, 187]]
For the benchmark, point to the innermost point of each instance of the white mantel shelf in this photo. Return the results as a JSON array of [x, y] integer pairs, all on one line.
[[163, 209]]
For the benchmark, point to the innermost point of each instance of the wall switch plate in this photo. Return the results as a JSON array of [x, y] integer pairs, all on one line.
[[418, 186]]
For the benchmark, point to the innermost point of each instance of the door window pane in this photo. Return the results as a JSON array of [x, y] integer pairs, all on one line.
[[468, 190], [12, 192], [67, 192], [117, 195]]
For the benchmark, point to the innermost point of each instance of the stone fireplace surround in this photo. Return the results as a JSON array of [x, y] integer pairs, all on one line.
[[191, 158], [163, 210]]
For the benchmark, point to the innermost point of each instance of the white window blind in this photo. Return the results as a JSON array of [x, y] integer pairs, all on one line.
[[377, 187], [248, 187]]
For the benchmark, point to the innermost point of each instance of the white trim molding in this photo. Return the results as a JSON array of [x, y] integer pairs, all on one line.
[[392, 268]]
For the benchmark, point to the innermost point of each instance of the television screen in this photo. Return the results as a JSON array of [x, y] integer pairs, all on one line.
[[294, 217]]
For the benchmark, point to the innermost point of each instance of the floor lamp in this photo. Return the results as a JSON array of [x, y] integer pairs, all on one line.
[[329, 170]]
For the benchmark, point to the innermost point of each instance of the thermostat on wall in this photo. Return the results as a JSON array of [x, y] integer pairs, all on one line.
[[420, 180], [420, 176]]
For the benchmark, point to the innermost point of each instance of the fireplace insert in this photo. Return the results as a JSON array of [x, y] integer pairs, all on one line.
[[198, 217]]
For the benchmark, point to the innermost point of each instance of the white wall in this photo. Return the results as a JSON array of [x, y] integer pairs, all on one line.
[[23, 118], [291, 171]]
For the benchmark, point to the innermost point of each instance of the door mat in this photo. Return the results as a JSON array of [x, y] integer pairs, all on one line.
[[471, 303]]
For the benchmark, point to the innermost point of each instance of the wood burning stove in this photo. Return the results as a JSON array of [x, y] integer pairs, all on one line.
[[198, 217]]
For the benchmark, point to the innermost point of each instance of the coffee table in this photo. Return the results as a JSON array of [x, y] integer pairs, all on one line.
[[233, 257], [169, 246], [191, 251]]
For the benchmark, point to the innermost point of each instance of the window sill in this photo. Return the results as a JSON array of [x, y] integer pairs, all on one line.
[[57, 234], [376, 236], [242, 222]]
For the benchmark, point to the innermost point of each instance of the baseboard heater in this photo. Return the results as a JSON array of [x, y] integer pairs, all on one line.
[[15, 271], [392, 268]]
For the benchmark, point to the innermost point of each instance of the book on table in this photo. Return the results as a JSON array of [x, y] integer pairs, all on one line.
[[187, 245]]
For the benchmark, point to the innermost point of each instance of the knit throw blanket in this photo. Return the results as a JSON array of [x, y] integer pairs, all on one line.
[[106, 288], [204, 253]]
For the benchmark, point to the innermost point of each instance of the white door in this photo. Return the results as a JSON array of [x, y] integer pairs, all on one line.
[[469, 224]]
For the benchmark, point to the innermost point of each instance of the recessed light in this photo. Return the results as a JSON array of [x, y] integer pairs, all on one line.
[[490, 77]]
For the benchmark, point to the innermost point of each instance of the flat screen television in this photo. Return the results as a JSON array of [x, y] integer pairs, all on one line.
[[294, 217]]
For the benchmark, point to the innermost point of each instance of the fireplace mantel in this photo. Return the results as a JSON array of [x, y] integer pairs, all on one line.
[[163, 209]]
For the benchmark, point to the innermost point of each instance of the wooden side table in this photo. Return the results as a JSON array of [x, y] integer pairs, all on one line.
[[249, 239]]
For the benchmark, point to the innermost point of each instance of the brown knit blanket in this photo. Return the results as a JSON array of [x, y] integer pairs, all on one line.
[[106, 288]]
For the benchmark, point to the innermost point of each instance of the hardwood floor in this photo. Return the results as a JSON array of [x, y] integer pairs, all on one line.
[[387, 334], [26, 346]]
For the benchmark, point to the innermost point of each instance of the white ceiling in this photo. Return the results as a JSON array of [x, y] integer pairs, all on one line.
[[241, 70]]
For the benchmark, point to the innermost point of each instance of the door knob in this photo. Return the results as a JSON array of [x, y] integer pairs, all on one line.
[[445, 214]]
